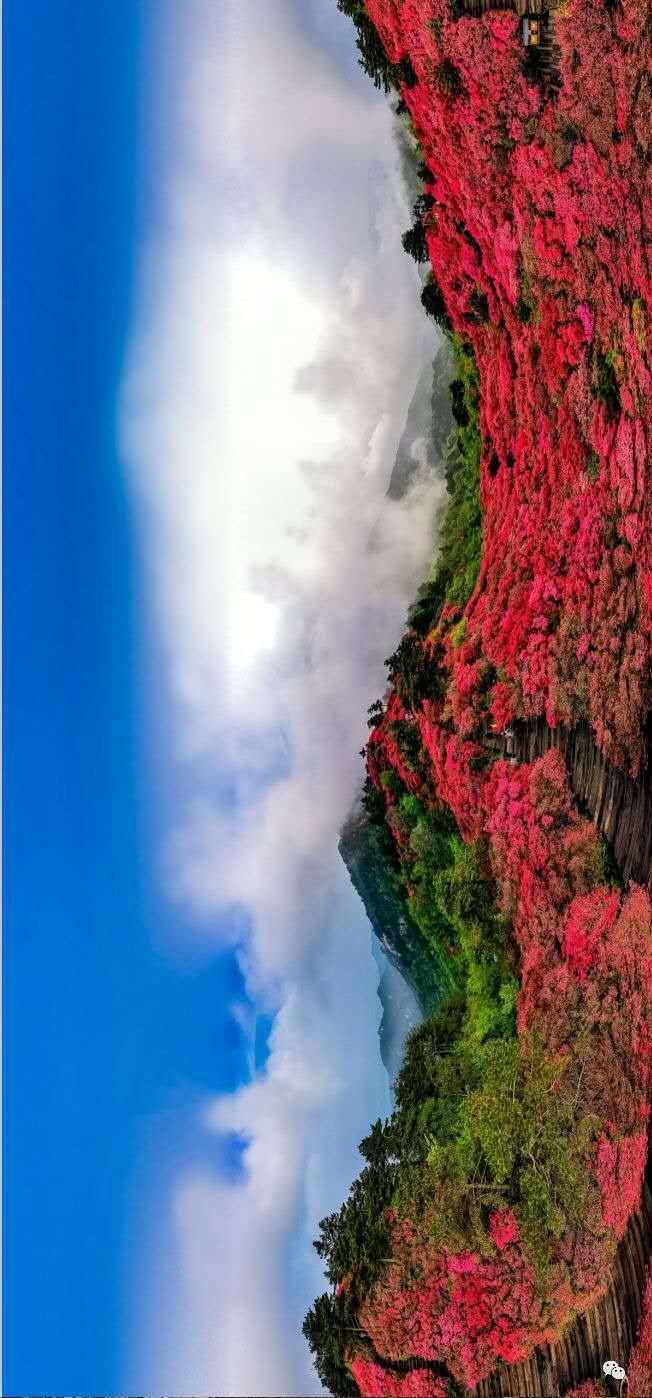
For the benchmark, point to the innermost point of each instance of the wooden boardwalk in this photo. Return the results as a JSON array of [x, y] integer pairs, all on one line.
[[548, 50], [620, 805], [622, 810], [606, 1331]]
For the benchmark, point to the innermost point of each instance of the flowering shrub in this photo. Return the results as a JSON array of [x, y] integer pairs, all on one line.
[[417, 1383], [540, 208], [503, 1228], [591, 1388], [494, 1198], [619, 1167], [586, 963], [553, 1122], [471, 1310]]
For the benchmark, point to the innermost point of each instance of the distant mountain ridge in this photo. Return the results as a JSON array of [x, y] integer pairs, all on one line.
[[398, 936], [412, 986], [428, 424]]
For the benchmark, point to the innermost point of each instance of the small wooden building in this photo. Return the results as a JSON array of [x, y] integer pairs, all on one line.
[[531, 31]]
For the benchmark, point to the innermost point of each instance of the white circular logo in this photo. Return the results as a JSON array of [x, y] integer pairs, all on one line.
[[614, 1369]]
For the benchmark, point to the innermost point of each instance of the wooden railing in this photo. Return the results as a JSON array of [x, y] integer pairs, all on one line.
[[621, 808], [547, 52], [620, 805]]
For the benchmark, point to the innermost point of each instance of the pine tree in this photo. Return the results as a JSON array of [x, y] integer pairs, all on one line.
[[373, 59], [433, 302], [329, 1328], [414, 242]]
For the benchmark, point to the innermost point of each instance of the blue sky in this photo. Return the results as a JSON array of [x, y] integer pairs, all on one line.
[[100, 1030], [73, 886], [189, 996]]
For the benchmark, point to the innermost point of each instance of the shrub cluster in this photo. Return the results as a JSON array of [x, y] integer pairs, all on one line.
[[537, 239], [492, 1201]]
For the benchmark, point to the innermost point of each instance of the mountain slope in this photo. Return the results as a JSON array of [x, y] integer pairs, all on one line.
[[493, 1201]]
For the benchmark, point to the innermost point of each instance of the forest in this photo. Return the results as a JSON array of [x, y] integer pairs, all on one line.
[[490, 1205]]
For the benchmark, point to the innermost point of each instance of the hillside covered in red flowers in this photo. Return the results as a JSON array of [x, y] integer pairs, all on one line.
[[491, 1203], [539, 238]]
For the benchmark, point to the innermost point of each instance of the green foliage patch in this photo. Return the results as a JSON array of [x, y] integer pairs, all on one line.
[[457, 564], [373, 60]]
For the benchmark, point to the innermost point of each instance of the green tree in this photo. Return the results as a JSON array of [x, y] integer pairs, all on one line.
[[372, 57], [448, 79], [414, 242], [434, 303], [330, 1329]]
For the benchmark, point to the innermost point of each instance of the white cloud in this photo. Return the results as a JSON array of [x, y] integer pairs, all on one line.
[[265, 394], [233, 1268]]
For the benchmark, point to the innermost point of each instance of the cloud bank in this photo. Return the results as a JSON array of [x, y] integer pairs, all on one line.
[[276, 349]]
